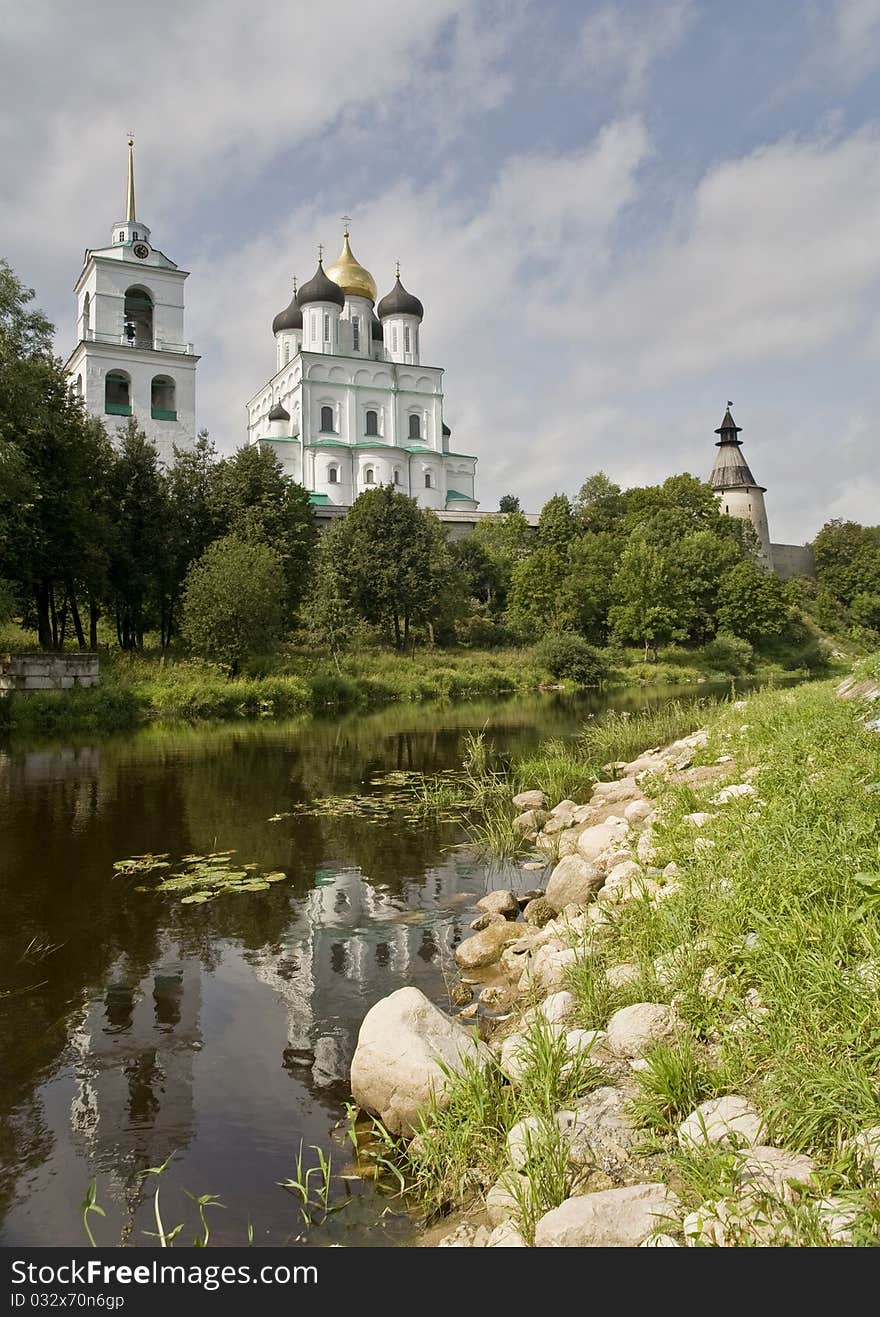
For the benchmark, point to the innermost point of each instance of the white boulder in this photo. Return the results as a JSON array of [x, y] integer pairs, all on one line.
[[634, 1030], [573, 881], [726, 1122], [612, 1218]]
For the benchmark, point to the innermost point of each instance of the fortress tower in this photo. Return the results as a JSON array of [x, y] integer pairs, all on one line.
[[736, 489]]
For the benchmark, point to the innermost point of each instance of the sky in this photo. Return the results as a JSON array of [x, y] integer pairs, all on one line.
[[617, 215]]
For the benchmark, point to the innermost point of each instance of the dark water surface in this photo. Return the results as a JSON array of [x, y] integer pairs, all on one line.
[[214, 1031]]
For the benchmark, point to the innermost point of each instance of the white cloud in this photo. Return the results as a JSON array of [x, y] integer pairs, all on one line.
[[853, 44], [619, 45]]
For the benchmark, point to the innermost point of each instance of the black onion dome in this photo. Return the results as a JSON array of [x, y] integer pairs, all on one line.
[[279, 413], [376, 329], [320, 289], [400, 303], [290, 318]]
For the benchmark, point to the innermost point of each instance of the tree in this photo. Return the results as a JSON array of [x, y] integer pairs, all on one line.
[[648, 596], [387, 547], [703, 559], [506, 540], [556, 524], [252, 498], [329, 618], [192, 522], [508, 503], [752, 602], [137, 559], [538, 598], [848, 559], [599, 504], [233, 601], [593, 559]]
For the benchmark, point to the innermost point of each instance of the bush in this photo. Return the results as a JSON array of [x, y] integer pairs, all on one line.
[[232, 601], [571, 658], [729, 653]]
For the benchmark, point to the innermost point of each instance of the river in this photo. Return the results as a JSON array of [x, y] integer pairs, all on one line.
[[135, 1026]]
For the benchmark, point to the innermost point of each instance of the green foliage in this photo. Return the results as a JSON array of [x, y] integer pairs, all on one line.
[[571, 658], [537, 600], [752, 602], [508, 503], [233, 601], [556, 524], [729, 653], [649, 590], [848, 560]]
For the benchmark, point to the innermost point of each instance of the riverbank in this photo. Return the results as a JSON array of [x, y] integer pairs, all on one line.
[[690, 1050], [168, 688]]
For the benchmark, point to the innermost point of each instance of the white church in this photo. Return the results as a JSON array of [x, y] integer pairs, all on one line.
[[131, 356], [350, 405]]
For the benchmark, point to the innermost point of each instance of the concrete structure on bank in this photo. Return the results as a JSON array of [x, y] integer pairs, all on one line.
[[47, 672], [350, 405], [132, 357], [740, 495]]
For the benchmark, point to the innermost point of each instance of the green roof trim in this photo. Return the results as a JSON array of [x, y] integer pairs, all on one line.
[[280, 439], [452, 495], [328, 443], [470, 456], [321, 500]]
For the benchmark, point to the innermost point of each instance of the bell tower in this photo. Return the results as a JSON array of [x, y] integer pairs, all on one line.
[[131, 356]]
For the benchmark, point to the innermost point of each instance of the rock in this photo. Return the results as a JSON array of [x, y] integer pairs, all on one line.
[[574, 879], [713, 984], [584, 1042], [468, 1012], [867, 1148], [615, 793], [624, 881], [773, 1171], [466, 1236], [501, 1203], [531, 821], [566, 843], [514, 1057], [699, 819], [403, 1045], [330, 1064], [599, 1131], [637, 811], [532, 866], [621, 976], [500, 902], [549, 966], [646, 846], [707, 1224], [459, 993], [613, 1218], [557, 825], [727, 794], [506, 1236], [486, 947], [565, 807], [727, 1122], [527, 800], [539, 912], [633, 1030], [593, 840], [493, 995], [525, 1139], [671, 871], [557, 1007]]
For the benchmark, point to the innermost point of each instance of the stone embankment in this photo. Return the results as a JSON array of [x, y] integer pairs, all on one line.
[[48, 672], [604, 855]]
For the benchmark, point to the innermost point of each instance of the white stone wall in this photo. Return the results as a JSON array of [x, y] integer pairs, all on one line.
[[748, 504]]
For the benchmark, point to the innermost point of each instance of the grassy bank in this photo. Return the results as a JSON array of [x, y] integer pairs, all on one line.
[[770, 953]]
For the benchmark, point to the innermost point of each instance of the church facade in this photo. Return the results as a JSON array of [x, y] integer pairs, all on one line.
[[131, 356], [350, 405]]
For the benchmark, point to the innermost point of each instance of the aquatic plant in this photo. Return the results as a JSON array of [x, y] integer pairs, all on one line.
[[199, 878]]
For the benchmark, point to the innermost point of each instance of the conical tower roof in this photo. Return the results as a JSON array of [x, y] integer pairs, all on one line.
[[731, 470]]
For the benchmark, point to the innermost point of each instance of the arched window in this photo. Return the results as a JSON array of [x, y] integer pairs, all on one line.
[[397, 475], [406, 339], [326, 327], [139, 318], [163, 401], [428, 480], [415, 427], [327, 420], [333, 475], [394, 338], [117, 394], [369, 476], [371, 423], [87, 316], [122, 237], [286, 354], [356, 335], [78, 388]]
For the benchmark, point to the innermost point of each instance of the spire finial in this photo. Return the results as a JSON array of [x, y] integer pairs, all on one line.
[[129, 191], [320, 252], [294, 285], [346, 223], [397, 264]]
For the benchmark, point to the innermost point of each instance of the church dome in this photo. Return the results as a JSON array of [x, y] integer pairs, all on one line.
[[290, 318], [376, 329], [279, 413], [352, 277], [320, 289], [400, 303]]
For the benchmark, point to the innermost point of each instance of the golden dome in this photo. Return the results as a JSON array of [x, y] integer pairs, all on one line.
[[352, 278]]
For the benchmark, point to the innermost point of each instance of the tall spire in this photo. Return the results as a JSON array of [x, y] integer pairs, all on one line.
[[731, 470], [129, 190]]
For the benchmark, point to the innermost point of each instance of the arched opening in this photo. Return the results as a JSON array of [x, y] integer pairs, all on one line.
[[415, 427], [138, 318], [356, 334], [117, 394], [428, 480], [369, 476], [87, 316], [397, 475], [163, 399], [327, 420], [333, 475], [371, 423], [78, 387]]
